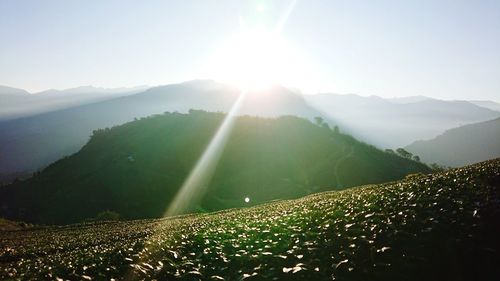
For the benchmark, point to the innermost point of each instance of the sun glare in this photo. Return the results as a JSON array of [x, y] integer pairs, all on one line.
[[260, 55], [256, 59]]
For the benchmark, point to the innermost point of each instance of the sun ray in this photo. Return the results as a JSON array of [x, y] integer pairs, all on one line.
[[284, 18], [195, 186]]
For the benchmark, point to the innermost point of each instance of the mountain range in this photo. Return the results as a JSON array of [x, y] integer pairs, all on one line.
[[17, 103], [398, 122], [28, 144], [34, 141]]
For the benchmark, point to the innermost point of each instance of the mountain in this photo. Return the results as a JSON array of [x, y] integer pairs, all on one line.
[[461, 146], [389, 124], [482, 103], [9, 92], [136, 169], [30, 143], [438, 227], [487, 104], [410, 99], [18, 103]]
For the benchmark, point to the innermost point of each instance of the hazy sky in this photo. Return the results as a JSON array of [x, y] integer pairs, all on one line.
[[443, 49]]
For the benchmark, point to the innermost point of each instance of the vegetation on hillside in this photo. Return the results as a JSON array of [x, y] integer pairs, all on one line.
[[437, 227], [137, 168], [12, 225]]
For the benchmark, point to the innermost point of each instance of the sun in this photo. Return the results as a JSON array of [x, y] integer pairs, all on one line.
[[255, 59], [260, 55]]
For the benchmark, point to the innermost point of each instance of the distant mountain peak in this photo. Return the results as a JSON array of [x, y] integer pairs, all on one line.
[[409, 99], [487, 104], [91, 89], [6, 90]]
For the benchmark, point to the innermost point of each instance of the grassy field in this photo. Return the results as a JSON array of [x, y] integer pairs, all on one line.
[[444, 226]]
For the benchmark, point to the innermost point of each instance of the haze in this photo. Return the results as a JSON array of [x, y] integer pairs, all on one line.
[[440, 49]]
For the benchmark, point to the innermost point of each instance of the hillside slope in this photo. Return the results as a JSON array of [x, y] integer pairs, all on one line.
[[487, 104], [136, 169], [390, 124], [31, 143], [437, 227], [9, 92], [461, 146], [17, 103]]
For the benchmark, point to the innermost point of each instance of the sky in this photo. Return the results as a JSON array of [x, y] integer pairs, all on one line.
[[441, 49]]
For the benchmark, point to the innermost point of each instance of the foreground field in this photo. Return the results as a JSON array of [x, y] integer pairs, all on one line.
[[439, 227]]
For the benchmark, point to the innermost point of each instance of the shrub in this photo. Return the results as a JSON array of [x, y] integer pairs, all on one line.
[[108, 216]]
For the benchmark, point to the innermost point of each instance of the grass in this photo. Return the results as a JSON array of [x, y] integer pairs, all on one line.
[[438, 227]]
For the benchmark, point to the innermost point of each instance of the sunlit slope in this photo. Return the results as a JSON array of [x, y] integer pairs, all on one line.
[[137, 168], [437, 227]]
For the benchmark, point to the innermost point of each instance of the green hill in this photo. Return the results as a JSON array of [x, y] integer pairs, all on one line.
[[137, 168], [438, 227]]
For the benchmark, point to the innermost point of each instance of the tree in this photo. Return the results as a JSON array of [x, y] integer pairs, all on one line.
[[108, 216], [438, 168], [319, 120], [416, 158], [404, 153], [390, 151], [336, 129]]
